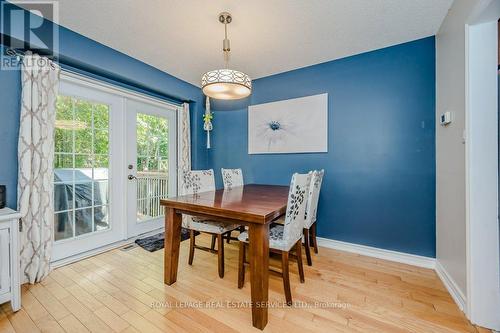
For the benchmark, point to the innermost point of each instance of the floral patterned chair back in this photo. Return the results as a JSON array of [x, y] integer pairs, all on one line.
[[296, 207], [197, 181], [232, 178], [312, 202]]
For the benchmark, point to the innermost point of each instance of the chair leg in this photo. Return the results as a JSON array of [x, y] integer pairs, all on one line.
[[241, 266], [286, 277], [313, 234], [298, 250], [212, 246], [307, 246], [191, 246], [220, 255], [228, 235]]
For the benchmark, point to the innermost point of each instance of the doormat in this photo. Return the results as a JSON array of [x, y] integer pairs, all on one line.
[[156, 242]]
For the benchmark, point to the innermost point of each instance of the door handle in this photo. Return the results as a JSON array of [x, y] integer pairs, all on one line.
[[131, 177]]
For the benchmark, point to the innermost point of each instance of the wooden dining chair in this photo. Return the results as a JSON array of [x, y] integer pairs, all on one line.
[[311, 212], [195, 182], [284, 238]]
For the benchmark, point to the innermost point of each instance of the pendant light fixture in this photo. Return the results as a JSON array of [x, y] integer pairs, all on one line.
[[226, 83]]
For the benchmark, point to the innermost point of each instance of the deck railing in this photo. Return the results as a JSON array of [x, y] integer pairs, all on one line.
[[151, 187]]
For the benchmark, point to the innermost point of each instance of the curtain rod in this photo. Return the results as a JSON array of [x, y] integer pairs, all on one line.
[[125, 84]]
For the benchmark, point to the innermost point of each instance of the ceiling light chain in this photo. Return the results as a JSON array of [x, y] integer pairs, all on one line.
[[226, 45], [226, 83]]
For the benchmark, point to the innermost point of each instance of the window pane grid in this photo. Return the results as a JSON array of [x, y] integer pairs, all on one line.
[[87, 173], [152, 165]]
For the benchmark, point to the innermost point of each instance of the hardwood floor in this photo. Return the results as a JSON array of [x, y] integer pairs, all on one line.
[[123, 291]]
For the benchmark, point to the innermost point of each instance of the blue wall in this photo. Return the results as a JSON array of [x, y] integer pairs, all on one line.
[[379, 186], [10, 94], [88, 56]]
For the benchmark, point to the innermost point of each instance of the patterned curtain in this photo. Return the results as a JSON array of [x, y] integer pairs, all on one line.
[[183, 144], [40, 82]]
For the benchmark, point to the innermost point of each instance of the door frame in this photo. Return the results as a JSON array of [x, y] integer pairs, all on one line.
[[123, 94], [482, 222], [134, 107]]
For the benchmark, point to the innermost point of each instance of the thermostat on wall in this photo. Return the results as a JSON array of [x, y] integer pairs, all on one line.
[[445, 118]]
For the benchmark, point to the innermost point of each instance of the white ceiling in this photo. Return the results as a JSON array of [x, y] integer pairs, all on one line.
[[184, 38]]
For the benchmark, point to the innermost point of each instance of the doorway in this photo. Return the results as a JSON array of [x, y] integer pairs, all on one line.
[[115, 158]]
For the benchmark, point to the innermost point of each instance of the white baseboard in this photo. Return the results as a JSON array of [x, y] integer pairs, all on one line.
[[450, 284], [405, 258]]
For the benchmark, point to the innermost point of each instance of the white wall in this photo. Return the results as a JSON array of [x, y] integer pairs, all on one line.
[[450, 148]]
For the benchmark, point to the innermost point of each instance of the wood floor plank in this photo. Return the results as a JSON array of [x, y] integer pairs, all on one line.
[[53, 287], [71, 324], [49, 302], [112, 303], [32, 306], [140, 323], [111, 319], [21, 322], [163, 322], [5, 325], [84, 315], [49, 325]]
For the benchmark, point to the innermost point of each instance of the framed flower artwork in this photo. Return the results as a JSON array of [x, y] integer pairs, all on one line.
[[298, 125]]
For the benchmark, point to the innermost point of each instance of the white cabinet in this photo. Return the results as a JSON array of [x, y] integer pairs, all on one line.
[[10, 287]]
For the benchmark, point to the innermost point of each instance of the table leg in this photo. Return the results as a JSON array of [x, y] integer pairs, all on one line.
[[258, 235], [173, 222]]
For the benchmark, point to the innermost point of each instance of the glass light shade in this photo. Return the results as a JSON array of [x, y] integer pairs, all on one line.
[[226, 84]]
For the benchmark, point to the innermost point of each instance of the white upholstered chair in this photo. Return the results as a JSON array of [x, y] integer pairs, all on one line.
[[284, 238], [232, 178], [194, 182], [311, 212]]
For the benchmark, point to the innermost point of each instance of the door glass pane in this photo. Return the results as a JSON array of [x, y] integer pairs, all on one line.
[[101, 218], [83, 221], [152, 165], [83, 113], [82, 156], [101, 193], [83, 140], [101, 141], [63, 196], [64, 140], [63, 225], [83, 194]]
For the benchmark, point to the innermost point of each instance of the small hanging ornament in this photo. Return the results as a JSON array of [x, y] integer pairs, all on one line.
[[207, 121]]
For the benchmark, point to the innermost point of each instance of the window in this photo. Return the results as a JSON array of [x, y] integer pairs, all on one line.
[[81, 168]]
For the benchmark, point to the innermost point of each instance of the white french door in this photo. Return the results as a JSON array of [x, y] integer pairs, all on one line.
[[151, 163], [88, 172], [114, 159]]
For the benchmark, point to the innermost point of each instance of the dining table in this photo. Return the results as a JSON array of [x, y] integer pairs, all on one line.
[[254, 206]]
